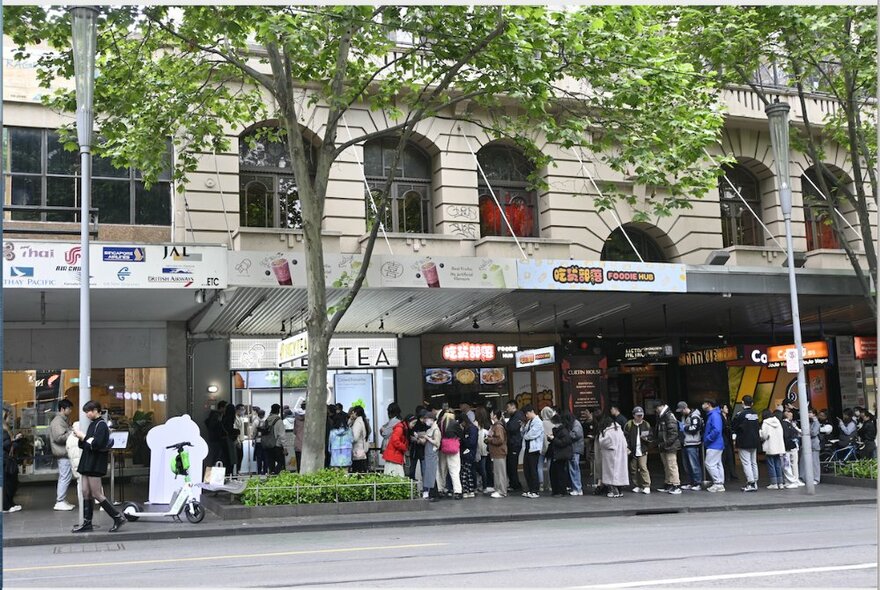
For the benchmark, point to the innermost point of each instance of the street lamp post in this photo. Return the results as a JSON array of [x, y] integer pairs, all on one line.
[[85, 34], [777, 113]]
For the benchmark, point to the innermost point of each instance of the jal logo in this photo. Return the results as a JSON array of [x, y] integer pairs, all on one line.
[[73, 255], [175, 253], [123, 273]]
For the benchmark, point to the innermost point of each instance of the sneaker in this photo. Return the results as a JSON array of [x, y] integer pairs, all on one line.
[[534, 495], [457, 496], [15, 508], [715, 488], [425, 495], [646, 490], [750, 487], [694, 487], [489, 491], [637, 490], [773, 486], [574, 493], [800, 484], [664, 490], [526, 495], [791, 486], [470, 495], [496, 495], [63, 506], [675, 491]]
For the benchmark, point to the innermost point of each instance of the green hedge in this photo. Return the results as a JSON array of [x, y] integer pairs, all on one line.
[[863, 469], [322, 487]]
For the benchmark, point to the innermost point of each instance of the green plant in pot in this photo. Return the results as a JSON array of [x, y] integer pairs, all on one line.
[[139, 425]]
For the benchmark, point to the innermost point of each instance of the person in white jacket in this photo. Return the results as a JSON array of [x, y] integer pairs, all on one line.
[[774, 448]]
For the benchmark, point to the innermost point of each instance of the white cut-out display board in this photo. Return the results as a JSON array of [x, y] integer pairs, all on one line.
[[163, 483]]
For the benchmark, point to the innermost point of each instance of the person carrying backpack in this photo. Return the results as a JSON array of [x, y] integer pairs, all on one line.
[[692, 428], [272, 439]]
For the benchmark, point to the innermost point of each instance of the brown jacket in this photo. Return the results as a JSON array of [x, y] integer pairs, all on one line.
[[497, 441]]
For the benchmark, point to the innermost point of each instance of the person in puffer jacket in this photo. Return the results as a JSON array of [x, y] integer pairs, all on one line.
[[713, 441], [774, 448], [398, 443]]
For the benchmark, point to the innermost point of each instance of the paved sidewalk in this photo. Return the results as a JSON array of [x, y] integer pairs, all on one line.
[[39, 525]]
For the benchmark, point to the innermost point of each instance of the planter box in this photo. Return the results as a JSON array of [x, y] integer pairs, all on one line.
[[227, 510], [842, 480]]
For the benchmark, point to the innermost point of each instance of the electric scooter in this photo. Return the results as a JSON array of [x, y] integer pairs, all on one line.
[[183, 500]]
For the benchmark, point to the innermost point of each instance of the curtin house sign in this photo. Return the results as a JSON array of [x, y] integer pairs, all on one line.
[[344, 353]]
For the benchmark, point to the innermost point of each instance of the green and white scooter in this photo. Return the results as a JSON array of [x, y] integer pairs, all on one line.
[[183, 501]]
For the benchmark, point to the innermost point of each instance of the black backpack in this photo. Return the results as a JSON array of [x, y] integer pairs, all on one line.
[[269, 440]]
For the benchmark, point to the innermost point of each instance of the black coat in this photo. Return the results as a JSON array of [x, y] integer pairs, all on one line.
[[95, 453], [514, 432], [666, 432], [745, 426], [11, 448], [560, 448]]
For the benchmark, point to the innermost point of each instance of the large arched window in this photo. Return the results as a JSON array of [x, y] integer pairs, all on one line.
[[507, 170], [268, 195], [739, 226], [817, 214], [409, 207], [617, 247]]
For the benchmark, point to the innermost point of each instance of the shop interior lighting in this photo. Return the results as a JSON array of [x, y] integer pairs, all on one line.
[[599, 335], [213, 389], [604, 314]]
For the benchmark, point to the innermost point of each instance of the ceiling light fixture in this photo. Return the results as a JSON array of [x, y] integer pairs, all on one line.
[[476, 325], [599, 336], [382, 324], [200, 296]]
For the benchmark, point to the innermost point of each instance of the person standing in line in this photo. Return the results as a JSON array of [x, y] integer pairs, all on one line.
[[666, 435], [533, 437], [340, 442], [239, 439], [514, 426], [416, 447], [398, 445], [214, 430], [469, 455], [590, 425], [559, 453], [638, 436], [496, 442], [299, 431], [577, 451], [483, 466], [612, 443], [791, 434], [846, 428], [868, 436], [713, 439], [451, 435], [359, 434], [430, 439], [546, 414], [774, 448], [11, 447], [273, 440], [230, 437], [259, 451], [727, 456], [59, 432], [691, 425], [95, 444], [815, 428], [387, 429], [745, 430]]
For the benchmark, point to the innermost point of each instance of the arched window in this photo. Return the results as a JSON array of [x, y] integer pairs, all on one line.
[[507, 170], [409, 208], [817, 214], [268, 195], [738, 226], [618, 248]]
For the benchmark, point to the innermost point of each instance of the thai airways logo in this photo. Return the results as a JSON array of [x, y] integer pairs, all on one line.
[[116, 254], [21, 271], [73, 255], [123, 273], [8, 250]]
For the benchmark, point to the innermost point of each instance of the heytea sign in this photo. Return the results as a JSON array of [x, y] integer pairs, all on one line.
[[345, 353]]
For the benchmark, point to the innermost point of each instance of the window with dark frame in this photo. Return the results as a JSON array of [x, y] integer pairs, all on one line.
[[507, 170], [817, 215], [739, 227], [268, 192], [41, 173], [617, 247], [409, 208]]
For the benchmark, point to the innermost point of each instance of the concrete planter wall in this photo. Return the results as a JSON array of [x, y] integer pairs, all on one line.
[[234, 511]]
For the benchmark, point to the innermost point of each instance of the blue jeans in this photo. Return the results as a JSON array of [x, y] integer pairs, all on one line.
[[693, 464], [774, 466], [65, 475], [574, 472]]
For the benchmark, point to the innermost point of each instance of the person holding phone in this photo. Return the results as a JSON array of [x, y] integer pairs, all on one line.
[[11, 447]]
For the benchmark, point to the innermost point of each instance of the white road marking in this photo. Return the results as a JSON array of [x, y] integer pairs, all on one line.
[[740, 576]]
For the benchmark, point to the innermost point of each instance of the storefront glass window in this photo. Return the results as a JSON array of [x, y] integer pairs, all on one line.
[[135, 400]]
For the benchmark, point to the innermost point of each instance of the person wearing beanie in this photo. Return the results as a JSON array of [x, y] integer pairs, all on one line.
[[638, 437]]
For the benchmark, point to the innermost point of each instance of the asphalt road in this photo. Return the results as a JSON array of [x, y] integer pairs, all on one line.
[[803, 548]]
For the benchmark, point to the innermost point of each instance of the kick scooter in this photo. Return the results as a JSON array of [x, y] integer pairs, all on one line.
[[183, 501]]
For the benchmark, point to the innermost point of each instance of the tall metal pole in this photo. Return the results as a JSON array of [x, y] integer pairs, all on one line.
[[778, 115], [877, 332], [85, 35], [2, 323]]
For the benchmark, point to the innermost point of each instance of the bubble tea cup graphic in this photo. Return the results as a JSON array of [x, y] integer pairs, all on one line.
[[429, 271], [281, 268], [494, 275]]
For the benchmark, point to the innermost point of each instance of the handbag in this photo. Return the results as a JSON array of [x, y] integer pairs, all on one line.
[[216, 475], [450, 446]]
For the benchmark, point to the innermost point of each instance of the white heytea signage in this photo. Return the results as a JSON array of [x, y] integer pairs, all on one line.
[[345, 353], [293, 348]]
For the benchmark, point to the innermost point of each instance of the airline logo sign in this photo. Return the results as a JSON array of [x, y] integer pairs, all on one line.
[[48, 265]]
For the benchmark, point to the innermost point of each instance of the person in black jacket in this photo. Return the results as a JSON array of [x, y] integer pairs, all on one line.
[[95, 444], [868, 436], [745, 428], [469, 441], [666, 435], [514, 444], [559, 451], [727, 454], [11, 448]]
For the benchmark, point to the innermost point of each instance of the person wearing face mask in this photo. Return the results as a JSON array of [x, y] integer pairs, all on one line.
[[496, 441]]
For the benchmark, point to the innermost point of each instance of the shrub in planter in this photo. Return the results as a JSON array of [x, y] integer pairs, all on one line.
[[863, 469], [322, 487]]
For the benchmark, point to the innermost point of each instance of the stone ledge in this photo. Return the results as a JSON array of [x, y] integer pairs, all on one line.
[[234, 511], [842, 480]]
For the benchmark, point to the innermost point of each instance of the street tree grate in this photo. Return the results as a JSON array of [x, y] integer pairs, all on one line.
[[89, 548]]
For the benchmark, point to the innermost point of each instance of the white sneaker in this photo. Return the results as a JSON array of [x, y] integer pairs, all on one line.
[[791, 486], [773, 486], [496, 495], [715, 488], [15, 508], [800, 484], [63, 506], [646, 490], [489, 491], [637, 490]]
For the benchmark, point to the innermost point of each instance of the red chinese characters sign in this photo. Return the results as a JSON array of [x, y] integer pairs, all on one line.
[[578, 274], [469, 352]]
